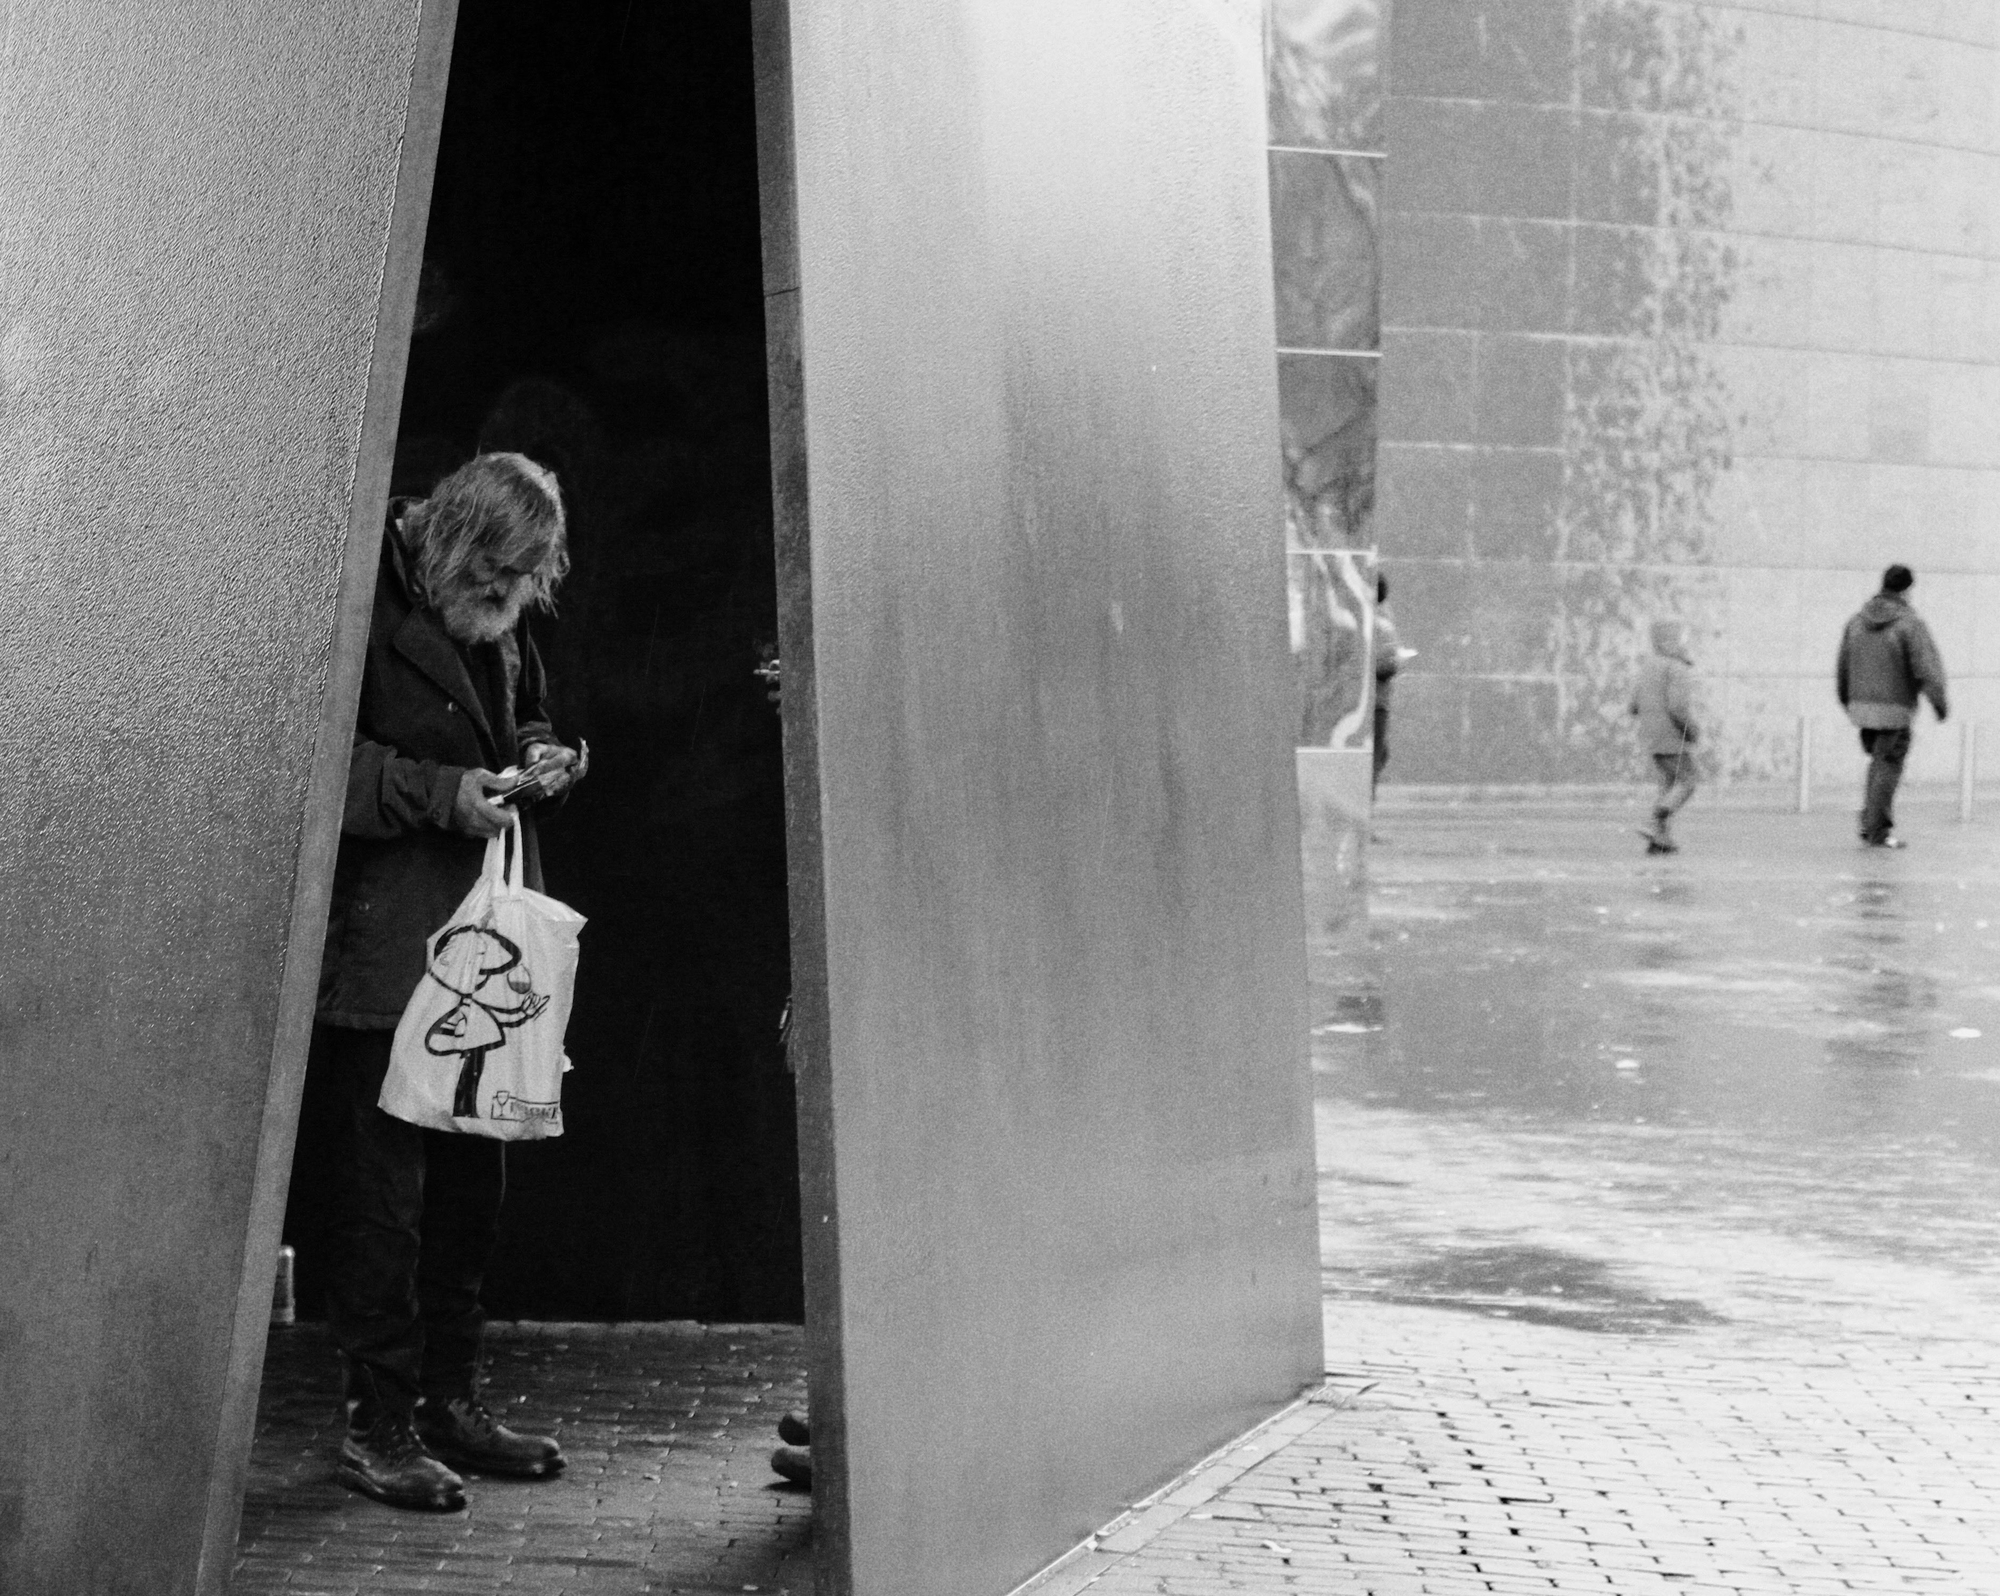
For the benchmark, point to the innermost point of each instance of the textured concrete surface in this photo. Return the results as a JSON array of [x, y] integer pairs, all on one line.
[[668, 1430], [214, 213]]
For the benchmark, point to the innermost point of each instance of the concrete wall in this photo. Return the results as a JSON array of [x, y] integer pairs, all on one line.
[[1058, 1164], [202, 201], [1689, 309]]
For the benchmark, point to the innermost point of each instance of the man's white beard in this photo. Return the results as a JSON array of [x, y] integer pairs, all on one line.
[[471, 619]]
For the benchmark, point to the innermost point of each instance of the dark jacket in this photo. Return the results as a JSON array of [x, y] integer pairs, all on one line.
[[421, 726], [1886, 659]]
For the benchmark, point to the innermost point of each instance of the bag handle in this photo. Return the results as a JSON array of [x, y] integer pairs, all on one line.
[[517, 872], [508, 875]]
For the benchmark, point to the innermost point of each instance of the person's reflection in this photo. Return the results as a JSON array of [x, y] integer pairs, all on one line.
[[1885, 1009], [1669, 948], [1675, 892]]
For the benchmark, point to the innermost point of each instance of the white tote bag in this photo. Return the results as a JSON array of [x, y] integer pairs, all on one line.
[[480, 1046]]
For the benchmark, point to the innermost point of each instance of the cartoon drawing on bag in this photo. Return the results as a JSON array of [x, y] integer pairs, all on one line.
[[485, 1012]]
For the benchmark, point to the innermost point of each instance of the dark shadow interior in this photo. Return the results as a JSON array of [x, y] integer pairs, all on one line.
[[592, 296]]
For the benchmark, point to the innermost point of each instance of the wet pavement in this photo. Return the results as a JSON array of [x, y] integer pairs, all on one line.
[[1757, 1083]]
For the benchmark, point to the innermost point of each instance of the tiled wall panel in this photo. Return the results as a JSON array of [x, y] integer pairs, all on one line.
[[1687, 309]]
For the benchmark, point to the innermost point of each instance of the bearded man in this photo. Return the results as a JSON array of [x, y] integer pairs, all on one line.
[[452, 692]]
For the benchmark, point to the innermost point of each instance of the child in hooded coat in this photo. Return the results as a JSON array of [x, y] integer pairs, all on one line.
[[1663, 699]]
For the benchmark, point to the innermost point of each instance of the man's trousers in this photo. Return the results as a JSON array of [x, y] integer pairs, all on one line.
[[1887, 749], [414, 1217], [1676, 776]]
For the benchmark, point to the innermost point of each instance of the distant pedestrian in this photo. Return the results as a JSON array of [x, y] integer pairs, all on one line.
[[1887, 659], [1663, 699], [1388, 660]]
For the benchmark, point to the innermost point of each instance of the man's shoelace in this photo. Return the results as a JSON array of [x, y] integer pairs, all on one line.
[[395, 1439], [475, 1419]]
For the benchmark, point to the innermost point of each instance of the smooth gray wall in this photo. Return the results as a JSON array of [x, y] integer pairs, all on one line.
[[1054, 1102], [202, 231]]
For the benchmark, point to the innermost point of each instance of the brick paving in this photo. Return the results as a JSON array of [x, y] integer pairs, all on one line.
[[668, 1429], [1481, 1454], [1451, 1453]]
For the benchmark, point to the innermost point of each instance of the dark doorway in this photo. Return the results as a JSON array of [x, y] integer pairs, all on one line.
[[592, 296]]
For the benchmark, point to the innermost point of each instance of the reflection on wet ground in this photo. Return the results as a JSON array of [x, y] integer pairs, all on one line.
[[1542, 1285], [1757, 1082]]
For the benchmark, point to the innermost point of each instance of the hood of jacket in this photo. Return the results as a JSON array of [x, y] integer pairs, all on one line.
[[1884, 609], [398, 560]]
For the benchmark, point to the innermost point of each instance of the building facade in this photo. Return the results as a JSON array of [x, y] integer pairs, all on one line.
[[1686, 310]]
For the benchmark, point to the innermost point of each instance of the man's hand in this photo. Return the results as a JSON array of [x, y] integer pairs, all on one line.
[[570, 767], [473, 812]]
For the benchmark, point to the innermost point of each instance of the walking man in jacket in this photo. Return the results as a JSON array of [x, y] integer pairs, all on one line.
[[1663, 699], [452, 692], [1887, 659]]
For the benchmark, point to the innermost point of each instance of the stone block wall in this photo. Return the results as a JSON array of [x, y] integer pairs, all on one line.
[[1687, 310]]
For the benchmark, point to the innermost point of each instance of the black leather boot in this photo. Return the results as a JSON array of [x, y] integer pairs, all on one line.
[[382, 1457], [464, 1434]]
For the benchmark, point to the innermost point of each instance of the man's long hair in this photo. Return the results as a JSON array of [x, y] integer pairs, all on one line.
[[502, 505]]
